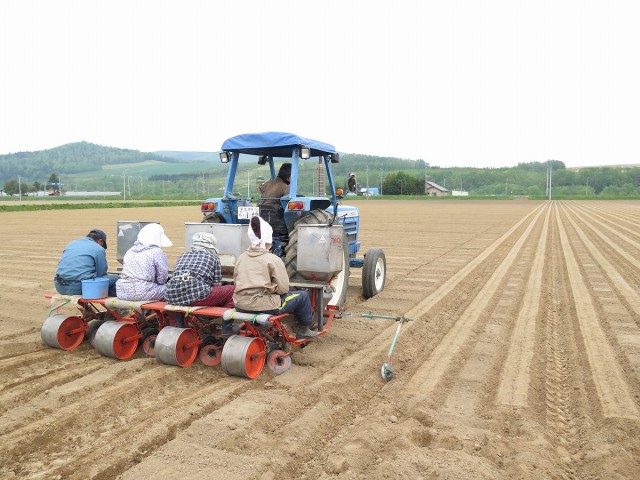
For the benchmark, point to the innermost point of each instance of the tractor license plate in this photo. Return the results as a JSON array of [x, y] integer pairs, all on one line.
[[245, 213]]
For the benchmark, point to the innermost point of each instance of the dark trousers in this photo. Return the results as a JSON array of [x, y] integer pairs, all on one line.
[[296, 302]]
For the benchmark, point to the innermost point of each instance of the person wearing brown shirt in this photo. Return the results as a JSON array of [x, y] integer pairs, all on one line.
[[271, 208]]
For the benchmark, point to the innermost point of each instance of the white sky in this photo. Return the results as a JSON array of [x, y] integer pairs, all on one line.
[[456, 83]]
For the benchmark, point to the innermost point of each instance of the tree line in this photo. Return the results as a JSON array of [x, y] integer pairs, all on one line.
[[393, 176], [407, 177]]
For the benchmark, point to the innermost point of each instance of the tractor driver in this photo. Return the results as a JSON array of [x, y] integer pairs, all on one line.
[[270, 207], [272, 190]]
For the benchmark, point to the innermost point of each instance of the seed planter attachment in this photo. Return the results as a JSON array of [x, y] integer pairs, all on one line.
[[387, 369]]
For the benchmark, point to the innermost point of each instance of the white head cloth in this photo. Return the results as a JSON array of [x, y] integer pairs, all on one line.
[[266, 234], [153, 234], [204, 240]]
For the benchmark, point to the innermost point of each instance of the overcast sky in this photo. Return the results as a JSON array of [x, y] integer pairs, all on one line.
[[455, 83]]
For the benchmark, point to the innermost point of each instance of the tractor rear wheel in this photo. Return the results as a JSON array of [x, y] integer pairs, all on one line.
[[213, 218], [340, 281]]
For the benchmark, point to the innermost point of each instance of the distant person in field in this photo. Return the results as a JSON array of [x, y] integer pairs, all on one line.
[[197, 276], [262, 283], [83, 259], [271, 208], [145, 267], [351, 183]]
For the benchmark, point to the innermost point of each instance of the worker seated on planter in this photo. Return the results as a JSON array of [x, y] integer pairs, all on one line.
[[271, 208], [84, 259], [197, 276], [145, 267], [262, 283]]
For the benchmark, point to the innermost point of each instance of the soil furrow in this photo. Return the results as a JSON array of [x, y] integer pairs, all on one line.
[[425, 380], [514, 387], [611, 386]]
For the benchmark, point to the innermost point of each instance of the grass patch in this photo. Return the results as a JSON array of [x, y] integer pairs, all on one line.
[[84, 206]]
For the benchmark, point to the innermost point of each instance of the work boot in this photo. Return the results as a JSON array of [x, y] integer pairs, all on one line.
[[305, 332]]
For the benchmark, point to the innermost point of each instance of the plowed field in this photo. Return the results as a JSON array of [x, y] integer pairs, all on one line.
[[523, 360]]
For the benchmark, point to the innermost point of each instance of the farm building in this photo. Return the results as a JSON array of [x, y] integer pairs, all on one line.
[[369, 191], [435, 190]]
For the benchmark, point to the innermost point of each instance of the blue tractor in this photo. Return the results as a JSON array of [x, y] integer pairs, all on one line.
[[256, 153]]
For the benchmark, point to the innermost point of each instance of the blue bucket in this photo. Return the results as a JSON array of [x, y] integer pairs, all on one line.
[[95, 288]]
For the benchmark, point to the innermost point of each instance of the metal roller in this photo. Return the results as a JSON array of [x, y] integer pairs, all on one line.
[[244, 356], [176, 346], [117, 339], [63, 331]]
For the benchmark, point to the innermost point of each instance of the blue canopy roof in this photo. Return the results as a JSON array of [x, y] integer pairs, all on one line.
[[277, 144]]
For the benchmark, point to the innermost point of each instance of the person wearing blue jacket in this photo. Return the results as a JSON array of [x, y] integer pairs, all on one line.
[[83, 259]]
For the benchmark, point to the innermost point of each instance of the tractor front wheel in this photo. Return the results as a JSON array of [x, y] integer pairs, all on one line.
[[374, 272]]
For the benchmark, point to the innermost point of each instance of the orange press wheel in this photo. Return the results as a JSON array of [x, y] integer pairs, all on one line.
[[176, 346], [63, 331], [244, 356], [149, 341], [149, 345], [278, 361], [116, 339]]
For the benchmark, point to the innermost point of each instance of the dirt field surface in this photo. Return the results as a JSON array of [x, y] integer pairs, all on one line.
[[523, 360]]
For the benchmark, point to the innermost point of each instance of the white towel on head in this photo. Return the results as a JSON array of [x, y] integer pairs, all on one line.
[[266, 234], [153, 234]]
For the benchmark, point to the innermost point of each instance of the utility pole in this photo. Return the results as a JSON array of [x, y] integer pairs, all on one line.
[[425, 178], [367, 178]]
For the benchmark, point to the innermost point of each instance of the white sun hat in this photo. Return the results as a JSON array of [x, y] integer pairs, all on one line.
[[153, 234]]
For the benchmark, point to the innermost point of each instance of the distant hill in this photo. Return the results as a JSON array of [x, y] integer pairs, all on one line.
[[627, 165], [200, 156], [188, 156], [71, 158]]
